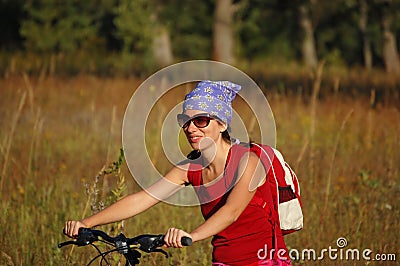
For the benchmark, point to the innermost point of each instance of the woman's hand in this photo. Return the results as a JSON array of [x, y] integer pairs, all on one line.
[[173, 237], [72, 227]]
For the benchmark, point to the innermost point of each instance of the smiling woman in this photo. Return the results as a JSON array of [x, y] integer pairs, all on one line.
[[229, 180]]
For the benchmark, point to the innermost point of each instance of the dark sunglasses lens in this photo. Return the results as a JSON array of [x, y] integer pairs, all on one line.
[[201, 121]]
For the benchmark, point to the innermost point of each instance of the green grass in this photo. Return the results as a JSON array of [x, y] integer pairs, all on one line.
[[67, 132]]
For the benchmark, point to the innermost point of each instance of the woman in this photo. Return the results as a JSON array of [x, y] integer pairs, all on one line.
[[229, 187]]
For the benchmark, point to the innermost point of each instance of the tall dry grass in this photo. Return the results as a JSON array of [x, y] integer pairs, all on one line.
[[57, 133]]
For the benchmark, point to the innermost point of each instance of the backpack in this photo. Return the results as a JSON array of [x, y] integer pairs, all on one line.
[[284, 188], [283, 192]]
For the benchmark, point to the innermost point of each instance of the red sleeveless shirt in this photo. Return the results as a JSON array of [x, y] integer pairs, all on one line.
[[252, 233]]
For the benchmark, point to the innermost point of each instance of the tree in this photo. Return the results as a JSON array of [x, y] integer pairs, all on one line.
[[11, 13], [58, 27], [144, 36], [223, 39], [389, 46], [162, 47], [133, 25], [363, 26], [59, 30], [309, 51]]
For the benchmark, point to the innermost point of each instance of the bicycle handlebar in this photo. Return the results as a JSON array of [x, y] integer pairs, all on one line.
[[146, 242]]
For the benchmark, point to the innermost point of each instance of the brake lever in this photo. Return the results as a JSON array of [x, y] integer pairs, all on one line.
[[66, 243], [150, 243], [85, 237], [159, 250]]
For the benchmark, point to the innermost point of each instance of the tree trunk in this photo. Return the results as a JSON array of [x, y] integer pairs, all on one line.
[[162, 48], [389, 46], [309, 52], [223, 40], [363, 26]]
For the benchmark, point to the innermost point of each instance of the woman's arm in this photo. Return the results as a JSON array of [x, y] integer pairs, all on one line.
[[132, 204], [242, 193]]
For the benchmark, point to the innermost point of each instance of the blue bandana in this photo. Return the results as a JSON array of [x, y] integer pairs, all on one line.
[[213, 97]]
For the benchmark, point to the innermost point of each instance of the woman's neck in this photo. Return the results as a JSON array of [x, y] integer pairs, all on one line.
[[215, 156]]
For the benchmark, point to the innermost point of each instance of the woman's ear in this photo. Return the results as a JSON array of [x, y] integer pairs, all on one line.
[[223, 127]]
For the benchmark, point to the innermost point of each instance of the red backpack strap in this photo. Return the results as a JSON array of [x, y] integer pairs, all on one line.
[[235, 155], [194, 174]]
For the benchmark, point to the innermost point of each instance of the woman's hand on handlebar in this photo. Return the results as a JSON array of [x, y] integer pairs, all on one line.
[[71, 228], [173, 237]]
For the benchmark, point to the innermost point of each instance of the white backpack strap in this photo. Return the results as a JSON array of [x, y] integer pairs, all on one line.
[[294, 177], [288, 174]]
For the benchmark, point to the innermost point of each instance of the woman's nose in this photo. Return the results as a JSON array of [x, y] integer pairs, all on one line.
[[191, 127]]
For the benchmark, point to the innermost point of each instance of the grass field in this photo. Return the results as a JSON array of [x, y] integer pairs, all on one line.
[[56, 134]]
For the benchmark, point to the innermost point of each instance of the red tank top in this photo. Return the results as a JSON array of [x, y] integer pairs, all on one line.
[[252, 233]]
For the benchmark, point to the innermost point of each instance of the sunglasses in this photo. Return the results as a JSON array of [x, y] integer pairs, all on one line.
[[199, 120]]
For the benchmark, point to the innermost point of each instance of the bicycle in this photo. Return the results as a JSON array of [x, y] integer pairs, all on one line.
[[128, 247]]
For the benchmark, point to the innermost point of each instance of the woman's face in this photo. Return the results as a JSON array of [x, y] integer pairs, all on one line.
[[201, 138]]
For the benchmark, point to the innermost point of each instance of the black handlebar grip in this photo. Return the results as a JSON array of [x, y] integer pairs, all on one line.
[[186, 241]]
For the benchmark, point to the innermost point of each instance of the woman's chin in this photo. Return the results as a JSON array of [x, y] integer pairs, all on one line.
[[194, 145], [201, 143], [206, 143]]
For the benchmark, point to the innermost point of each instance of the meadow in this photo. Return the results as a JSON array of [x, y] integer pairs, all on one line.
[[58, 135]]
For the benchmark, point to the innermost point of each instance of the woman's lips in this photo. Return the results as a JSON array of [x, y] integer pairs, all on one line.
[[194, 139]]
